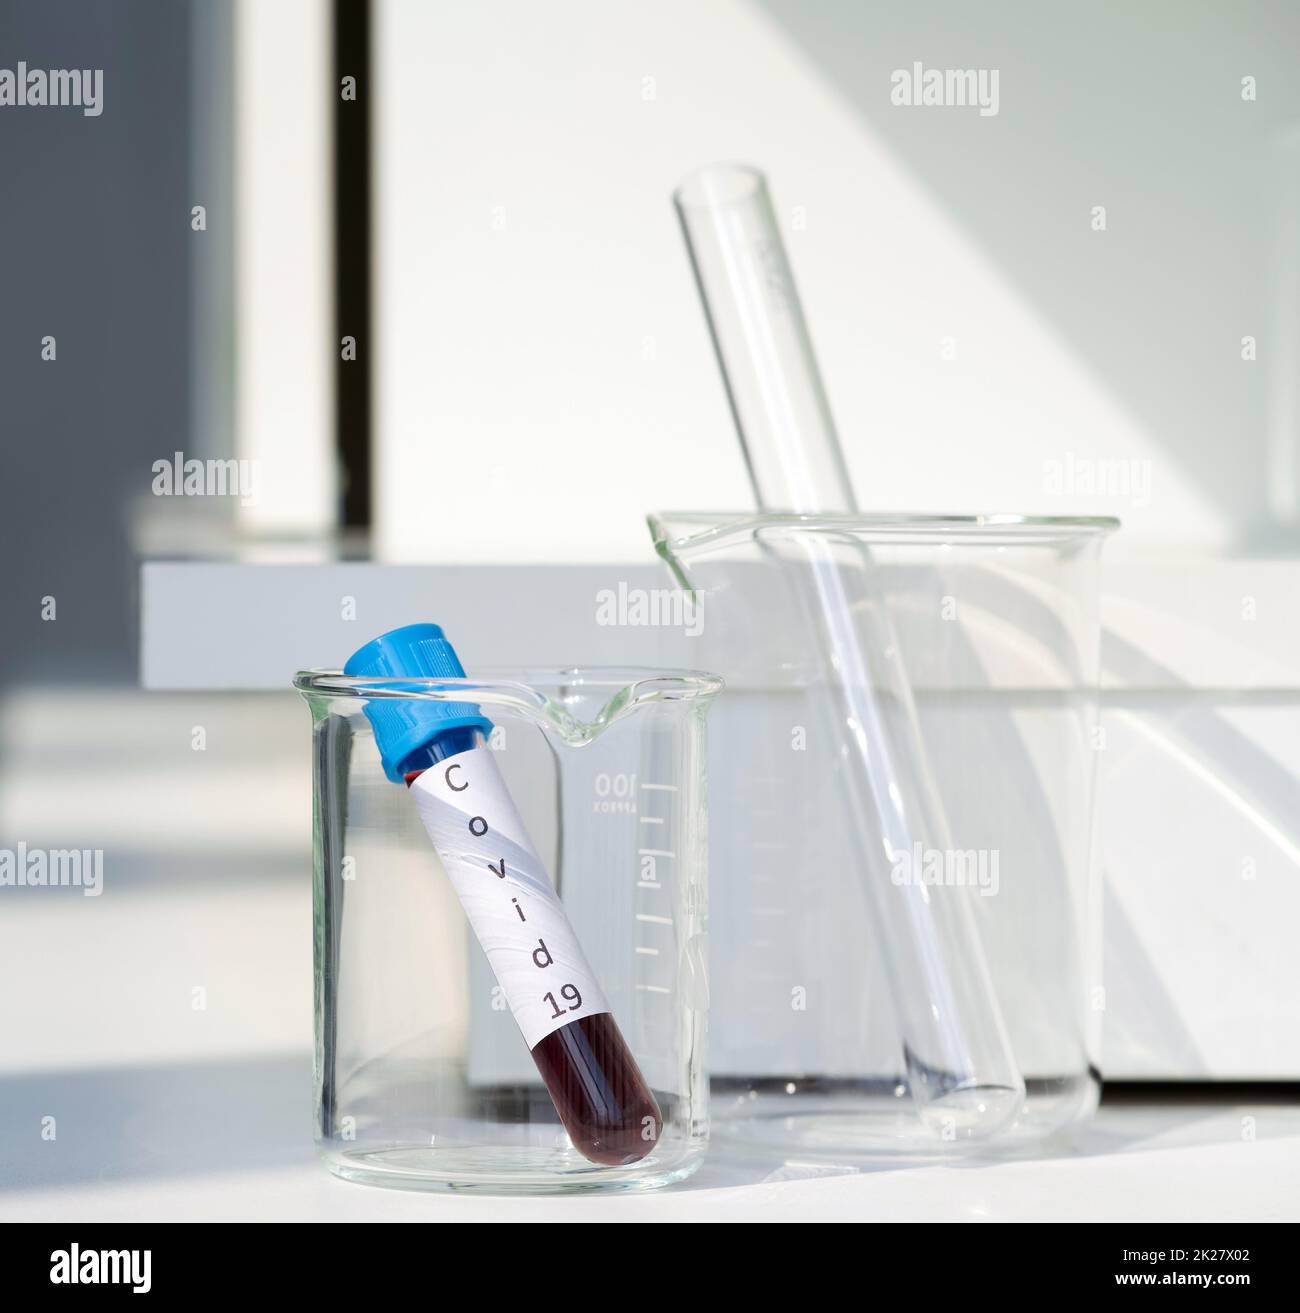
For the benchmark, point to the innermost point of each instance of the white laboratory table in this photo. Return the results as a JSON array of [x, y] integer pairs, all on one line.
[[1179, 1162], [165, 1024], [1183, 1163]]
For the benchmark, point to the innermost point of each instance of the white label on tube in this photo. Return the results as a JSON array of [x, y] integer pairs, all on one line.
[[506, 894]]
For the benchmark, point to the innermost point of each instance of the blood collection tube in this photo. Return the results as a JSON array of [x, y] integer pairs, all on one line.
[[439, 750]]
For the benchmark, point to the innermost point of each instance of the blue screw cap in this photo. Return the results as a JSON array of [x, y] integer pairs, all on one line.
[[404, 725]]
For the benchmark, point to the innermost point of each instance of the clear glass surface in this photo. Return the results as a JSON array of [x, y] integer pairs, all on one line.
[[996, 623], [422, 1078], [761, 338]]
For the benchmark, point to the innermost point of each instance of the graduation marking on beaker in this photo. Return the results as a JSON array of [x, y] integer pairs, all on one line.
[[651, 879]]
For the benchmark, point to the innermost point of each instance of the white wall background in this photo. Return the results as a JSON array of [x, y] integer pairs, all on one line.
[[284, 328], [544, 373]]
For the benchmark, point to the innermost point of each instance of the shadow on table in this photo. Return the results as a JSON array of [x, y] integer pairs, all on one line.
[[195, 1118], [169, 1120], [1133, 1120]]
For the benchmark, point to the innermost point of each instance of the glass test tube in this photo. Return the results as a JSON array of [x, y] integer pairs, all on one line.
[[960, 1067]]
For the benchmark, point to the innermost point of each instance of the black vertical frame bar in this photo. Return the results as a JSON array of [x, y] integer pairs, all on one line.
[[352, 264]]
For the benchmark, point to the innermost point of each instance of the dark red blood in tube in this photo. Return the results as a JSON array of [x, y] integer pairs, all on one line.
[[599, 1091]]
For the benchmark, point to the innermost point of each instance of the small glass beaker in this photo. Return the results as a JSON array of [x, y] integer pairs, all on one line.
[[422, 1078], [996, 623]]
